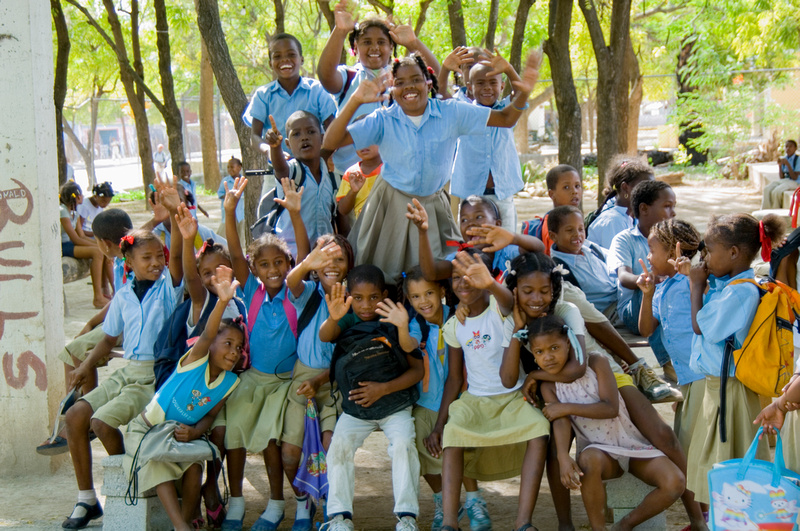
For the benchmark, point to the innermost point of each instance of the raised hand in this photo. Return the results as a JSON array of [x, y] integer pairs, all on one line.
[[160, 212], [682, 264], [402, 34], [186, 223], [392, 313], [457, 59], [293, 195], [372, 90], [233, 195], [473, 270], [323, 256], [494, 236], [224, 283], [417, 214], [646, 281], [338, 305], [699, 273], [343, 18], [520, 319], [357, 181], [531, 73], [167, 196], [498, 62], [273, 136]]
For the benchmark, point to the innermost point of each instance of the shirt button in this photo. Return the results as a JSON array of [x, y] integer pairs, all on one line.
[[274, 314]]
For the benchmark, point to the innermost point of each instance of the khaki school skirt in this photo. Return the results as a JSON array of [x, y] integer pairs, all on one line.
[[254, 411]]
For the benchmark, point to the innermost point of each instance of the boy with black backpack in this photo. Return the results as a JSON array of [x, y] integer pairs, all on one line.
[[376, 365]]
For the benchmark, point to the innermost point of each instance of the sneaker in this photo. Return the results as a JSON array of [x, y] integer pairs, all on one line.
[[338, 523], [653, 387], [406, 523], [438, 513], [478, 515], [670, 376]]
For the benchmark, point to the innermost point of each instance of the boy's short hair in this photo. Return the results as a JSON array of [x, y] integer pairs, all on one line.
[[296, 115], [111, 224], [284, 37], [557, 171], [792, 142], [366, 274], [556, 216]]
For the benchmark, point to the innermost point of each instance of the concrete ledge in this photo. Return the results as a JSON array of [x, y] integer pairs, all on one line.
[[624, 494], [147, 515]]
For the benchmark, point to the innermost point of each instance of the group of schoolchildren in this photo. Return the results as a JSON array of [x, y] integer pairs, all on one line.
[[498, 347]]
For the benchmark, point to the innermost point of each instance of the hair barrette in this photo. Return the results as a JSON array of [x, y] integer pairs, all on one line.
[[430, 70], [128, 238], [521, 334], [508, 268], [403, 274], [561, 270]]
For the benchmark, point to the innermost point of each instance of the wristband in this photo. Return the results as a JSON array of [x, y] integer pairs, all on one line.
[[520, 109]]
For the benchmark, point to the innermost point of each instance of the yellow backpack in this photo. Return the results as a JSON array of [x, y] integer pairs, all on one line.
[[765, 361]]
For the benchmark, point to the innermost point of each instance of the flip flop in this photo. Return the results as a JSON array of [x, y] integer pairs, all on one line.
[[215, 517]]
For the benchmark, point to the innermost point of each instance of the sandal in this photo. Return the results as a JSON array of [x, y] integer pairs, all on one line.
[[216, 517], [198, 523], [527, 527]]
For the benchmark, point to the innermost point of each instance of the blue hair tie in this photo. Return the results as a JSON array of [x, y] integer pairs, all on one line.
[[521, 334]]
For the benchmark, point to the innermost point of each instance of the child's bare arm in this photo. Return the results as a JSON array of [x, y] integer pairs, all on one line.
[[274, 139], [96, 319], [607, 335], [698, 281], [403, 34], [370, 392], [292, 202], [241, 268], [310, 387], [74, 237], [499, 238], [226, 286], [187, 226], [606, 408], [185, 433], [348, 202], [318, 258], [432, 270], [99, 352], [368, 91], [571, 371], [509, 367], [508, 116], [627, 278], [562, 438], [452, 387], [176, 256], [454, 61], [329, 58]]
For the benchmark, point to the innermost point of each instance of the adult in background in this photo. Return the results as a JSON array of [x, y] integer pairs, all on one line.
[[160, 159], [788, 172]]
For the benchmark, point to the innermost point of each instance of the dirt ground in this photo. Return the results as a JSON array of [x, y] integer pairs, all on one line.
[[41, 502]]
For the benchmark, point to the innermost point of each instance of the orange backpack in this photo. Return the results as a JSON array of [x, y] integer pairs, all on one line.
[[765, 361]]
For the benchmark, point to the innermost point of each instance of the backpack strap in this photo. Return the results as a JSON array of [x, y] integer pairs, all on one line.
[[255, 307], [727, 356], [309, 310], [348, 81], [569, 277], [290, 311], [596, 250]]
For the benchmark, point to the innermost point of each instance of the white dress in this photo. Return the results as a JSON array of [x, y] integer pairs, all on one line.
[[617, 437]]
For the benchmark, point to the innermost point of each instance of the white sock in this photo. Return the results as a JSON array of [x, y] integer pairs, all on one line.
[[474, 495], [633, 366], [89, 497], [235, 508], [274, 511], [303, 508]]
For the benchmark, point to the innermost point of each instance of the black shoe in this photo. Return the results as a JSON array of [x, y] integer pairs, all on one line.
[[93, 512], [54, 447]]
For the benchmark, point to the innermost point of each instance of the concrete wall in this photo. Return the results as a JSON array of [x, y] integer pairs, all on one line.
[[31, 312]]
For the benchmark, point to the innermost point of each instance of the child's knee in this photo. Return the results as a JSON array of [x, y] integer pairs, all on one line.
[[101, 429], [79, 415], [343, 449], [673, 483], [590, 461], [290, 455]]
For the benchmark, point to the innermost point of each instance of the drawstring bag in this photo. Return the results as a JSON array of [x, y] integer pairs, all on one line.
[[312, 475], [752, 494]]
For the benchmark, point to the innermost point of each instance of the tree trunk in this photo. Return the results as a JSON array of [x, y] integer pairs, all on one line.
[[686, 86], [280, 16], [455, 13], [208, 138], [94, 108], [634, 97], [324, 8], [172, 116], [612, 95], [60, 83], [233, 95], [518, 38], [133, 90], [521, 139], [85, 155], [491, 25], [423, 14], [556, 46]]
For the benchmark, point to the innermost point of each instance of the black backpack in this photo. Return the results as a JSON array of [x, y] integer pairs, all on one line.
[[171, 342], [370, 351]]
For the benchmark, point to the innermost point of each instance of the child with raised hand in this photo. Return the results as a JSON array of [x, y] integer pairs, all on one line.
[[615, 214], [192, 397], [427, 327], [417, 139], [74, 244], [538, 287], [651, 202], [366, 294], [373, 41], [488, 165], [608, 444], [290, 92], [481, 227], [254, 418], [234, 170], [460, 60], [722, 308], [306, 169], [138, 312], [488, 414], [329, 262]]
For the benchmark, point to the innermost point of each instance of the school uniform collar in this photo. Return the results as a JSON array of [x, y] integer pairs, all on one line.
[[304, 84], [431, 109], [498, 105], [676, 278], [636, 232], [719, 283], [279, 297], [323, 168], [570, 258]]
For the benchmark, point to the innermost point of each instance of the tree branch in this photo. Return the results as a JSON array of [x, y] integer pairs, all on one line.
[[389, 10], [663, 8], [423, 13], [595, 30]]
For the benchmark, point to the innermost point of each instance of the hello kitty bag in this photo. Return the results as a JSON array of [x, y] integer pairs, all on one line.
[[752, 495]]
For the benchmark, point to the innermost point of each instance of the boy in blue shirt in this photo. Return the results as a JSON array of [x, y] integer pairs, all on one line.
[[289, 92]]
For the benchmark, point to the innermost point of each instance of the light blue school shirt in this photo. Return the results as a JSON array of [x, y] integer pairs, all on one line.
[[461, 95], [437, 374], [794, 162], [140, 322], [346, 156], [120, 277], [590, 272], [506, 254], [673, 310], [627, 248], [273, 346], [608, 224], [419, 160], [494, 151], [311, 351], [205, 233], [727, 310], [273, 99], [316, 206], [221, 194]]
